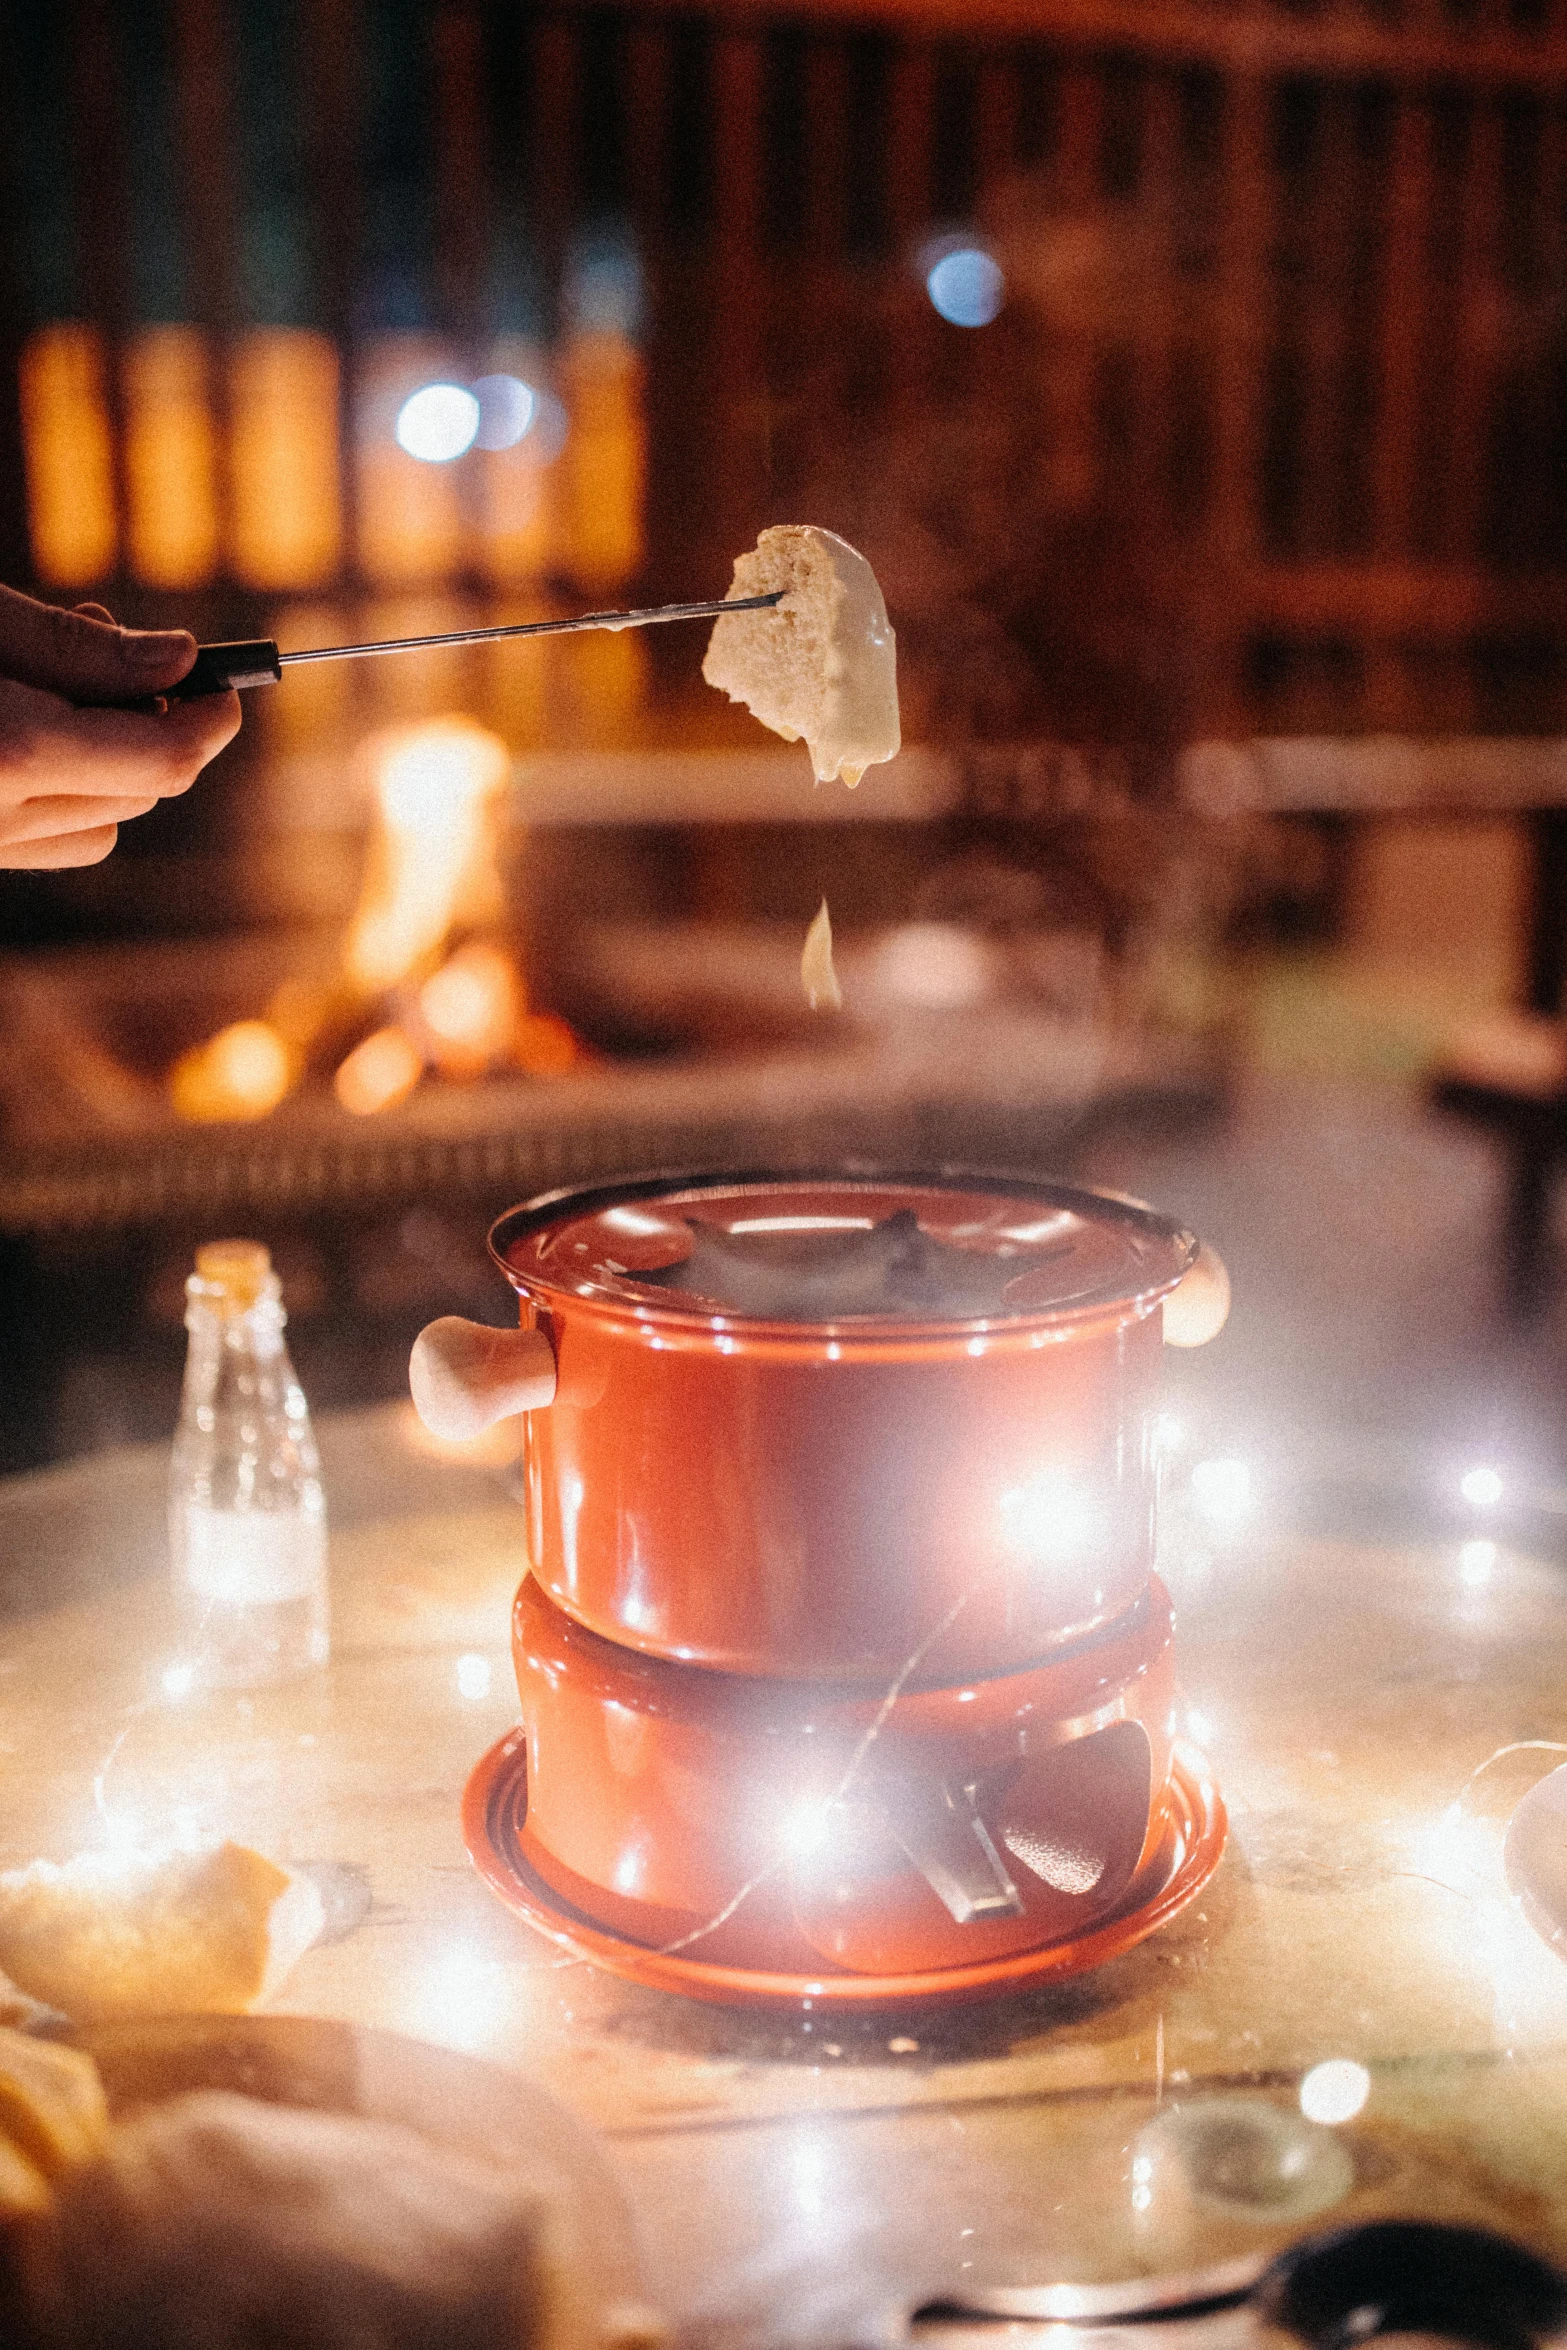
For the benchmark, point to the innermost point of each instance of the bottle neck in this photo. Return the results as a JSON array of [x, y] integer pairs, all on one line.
[[235, 1351], [254, 1323]]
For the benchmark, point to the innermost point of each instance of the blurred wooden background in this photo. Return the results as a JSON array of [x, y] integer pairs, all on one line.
[[1285, 331]]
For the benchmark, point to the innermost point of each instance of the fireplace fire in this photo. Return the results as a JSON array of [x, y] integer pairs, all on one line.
[[405, 1001]]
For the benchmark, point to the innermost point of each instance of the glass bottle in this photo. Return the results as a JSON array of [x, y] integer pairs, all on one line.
[[247, 1521]]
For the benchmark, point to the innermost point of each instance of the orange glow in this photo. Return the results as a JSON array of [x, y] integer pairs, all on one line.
[[242, 1072], [287, 496], [518, 678], [383, 1070], [70, 465], [432, 860], [411, 526], [171, 458], [394, 693], [316, 709], [517, 486], [545, 1046], [601, 683], [470, 1007], [605, 460]]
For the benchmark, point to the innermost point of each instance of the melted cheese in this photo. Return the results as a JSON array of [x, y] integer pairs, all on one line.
[[817, 975]]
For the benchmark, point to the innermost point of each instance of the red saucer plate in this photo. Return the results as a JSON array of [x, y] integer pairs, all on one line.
[[495, 1804]]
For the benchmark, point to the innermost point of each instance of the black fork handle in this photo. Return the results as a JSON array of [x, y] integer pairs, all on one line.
[[217, 667]]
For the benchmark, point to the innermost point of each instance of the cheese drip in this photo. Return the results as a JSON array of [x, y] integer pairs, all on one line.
[[817, 975]]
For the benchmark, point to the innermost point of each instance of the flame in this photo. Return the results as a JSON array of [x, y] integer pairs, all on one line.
[[383, 1070], [471, 1008], [431, 862], [546, 1046], [431, 867], [242, 1072]]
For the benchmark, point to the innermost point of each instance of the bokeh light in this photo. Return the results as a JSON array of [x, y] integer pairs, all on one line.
[[1476, 1561], [1334, 2091], [966, 286], [379, 1073], [506, 409], [1481, 1486], [242, 1072], [1054, 1520], [473, 1676], [1222, 1489], [437, 423]]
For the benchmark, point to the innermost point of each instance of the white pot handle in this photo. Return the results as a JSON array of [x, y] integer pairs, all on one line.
[[465, 1376], [1198, 1307]]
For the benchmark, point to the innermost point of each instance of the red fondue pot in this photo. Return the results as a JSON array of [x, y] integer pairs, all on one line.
[[835, 1428], [959, 1826]]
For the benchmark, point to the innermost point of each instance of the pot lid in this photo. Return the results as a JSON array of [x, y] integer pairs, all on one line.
[[831, 1249]]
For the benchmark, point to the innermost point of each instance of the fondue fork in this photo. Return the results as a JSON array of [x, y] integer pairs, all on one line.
[[258, 661]]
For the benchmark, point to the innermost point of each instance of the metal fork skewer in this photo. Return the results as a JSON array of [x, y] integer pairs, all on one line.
[[653, 615], [258, 662]]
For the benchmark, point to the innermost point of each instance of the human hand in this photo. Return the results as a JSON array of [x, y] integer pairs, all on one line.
[[72, 767]]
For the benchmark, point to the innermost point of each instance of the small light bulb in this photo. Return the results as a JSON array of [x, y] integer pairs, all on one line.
[[1334, 2091], [179, 1679], [1475, 1563], [506, 410], [437, 423], [966, 286], [1482, 1487], [1222, 1489], [473, 1676], [807, 1828]]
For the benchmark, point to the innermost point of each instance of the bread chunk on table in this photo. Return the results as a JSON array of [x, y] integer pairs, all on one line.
[[217, 2222], [110, 1935]]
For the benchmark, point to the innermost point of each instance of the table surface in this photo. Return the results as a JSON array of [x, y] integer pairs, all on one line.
[[802, 2178]]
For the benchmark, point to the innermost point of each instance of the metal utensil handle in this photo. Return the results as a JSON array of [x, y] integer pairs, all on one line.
[[217, 667]]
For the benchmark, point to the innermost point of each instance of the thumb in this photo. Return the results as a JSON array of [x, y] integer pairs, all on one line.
[[86, 659]]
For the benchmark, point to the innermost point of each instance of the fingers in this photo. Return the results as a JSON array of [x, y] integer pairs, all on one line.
[[83, 656], [50, 749], [89, 847], [53, 817], [168, 751]]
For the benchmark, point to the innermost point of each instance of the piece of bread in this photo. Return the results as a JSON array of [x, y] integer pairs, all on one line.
[[52, 2108], [823, 663], [111, 1935], [216, 2222]]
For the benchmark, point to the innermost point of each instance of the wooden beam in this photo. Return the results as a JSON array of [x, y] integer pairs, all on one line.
[[1374, 775], [1402, 320], [15, 544], [1237, 364], [203, 52], [1342, 46], [101, 177], [1392, 599], [462, 185], [332, 107]]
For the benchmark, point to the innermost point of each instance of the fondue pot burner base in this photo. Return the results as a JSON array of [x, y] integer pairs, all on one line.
[[494, 1811]]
